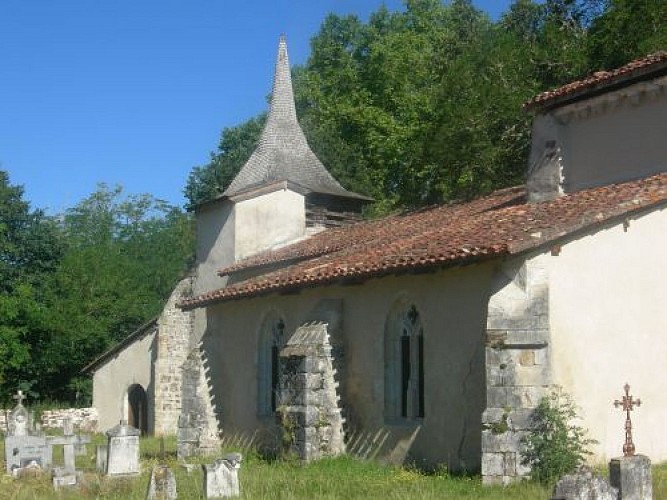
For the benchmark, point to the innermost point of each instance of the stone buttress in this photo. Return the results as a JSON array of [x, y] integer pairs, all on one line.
[[518, 373]]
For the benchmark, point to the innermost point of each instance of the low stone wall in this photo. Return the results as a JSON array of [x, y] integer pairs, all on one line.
[[83, 418]]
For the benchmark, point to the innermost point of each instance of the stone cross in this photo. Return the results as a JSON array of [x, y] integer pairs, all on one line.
[[19, 397], [628, 404], [68, 440], [19, 417]]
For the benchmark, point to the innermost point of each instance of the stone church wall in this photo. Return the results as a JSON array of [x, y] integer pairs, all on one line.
[[584, 317], [452, 308], [111, 381], [608, 321]]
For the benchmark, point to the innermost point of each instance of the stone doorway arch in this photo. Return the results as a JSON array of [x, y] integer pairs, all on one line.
[[137, 408]]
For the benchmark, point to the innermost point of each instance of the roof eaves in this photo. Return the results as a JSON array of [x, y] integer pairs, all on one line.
[[401, 265], [601, 82], [102, 358]]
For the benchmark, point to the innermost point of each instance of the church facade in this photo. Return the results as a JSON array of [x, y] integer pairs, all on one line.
[[427, 336]]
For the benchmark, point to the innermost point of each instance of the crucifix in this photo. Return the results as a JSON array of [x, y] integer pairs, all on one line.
[[628, 404], [19, 397]]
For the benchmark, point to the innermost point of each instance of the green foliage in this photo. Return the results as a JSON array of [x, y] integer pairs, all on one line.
[[30, 249], [627, 30], [74, 287], [555, 445], [124, 255], [424, 105]]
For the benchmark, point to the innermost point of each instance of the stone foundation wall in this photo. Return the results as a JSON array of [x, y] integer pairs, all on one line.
[[518, 371]]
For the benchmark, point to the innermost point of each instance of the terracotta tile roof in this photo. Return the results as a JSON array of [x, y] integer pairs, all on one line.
[[639, 68], [499, 224]]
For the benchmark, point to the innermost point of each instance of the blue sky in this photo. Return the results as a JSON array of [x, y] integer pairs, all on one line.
[[137, 92]]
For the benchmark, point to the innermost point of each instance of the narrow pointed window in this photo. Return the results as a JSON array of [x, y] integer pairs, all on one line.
[[271, 341], [404, 365]]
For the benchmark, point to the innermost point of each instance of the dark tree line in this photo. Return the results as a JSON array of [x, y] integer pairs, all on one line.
[[424, 105]]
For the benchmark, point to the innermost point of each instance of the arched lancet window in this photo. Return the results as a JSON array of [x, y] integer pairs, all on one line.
[[271, 341], [404, 364]]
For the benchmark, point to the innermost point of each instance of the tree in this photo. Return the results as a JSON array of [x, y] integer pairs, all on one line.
[[30, 249], [124, 255], [628, 29], [29, 245]]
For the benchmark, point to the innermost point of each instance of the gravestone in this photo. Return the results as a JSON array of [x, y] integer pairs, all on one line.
[[189, 432], [632, 476], [66, 476], [21, 448], [101, 458], [583, 484], [123, 450], [162, 484], [221, 479]]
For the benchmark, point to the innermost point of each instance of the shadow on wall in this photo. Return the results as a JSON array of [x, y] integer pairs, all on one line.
[[389, 445]]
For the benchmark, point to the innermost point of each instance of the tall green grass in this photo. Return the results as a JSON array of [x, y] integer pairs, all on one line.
[[336, 478]]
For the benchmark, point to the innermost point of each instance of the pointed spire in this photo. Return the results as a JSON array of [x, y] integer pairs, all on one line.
[[282, 96], [283, 154]]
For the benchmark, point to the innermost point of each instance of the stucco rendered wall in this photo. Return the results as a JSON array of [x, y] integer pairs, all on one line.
[[130, 366], [611, 138], [452, 307], [215, 244], [268, 220], [608, 322]]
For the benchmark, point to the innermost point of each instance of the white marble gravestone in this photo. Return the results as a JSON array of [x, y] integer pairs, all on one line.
[[22, 449], [123, 450], [221, 479]]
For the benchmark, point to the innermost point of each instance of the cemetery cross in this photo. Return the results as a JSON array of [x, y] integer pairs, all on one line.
[[628, 404]]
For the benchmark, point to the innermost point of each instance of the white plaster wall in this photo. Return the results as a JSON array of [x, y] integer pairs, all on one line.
[[452, 305], [130, 366], [215, 244], [608, 314], [607, 139], [268, 220]]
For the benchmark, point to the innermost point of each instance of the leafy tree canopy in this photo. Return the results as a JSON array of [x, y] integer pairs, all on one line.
[[423, 105]]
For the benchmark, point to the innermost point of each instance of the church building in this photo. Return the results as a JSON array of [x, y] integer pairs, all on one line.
[[427, 336]]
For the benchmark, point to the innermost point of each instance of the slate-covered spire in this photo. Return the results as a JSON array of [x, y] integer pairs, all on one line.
[[283, 153]]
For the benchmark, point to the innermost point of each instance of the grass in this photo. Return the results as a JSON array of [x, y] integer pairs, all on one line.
[[343, 477]]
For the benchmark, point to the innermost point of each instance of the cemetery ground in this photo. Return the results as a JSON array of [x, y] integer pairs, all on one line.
[[343, 477]]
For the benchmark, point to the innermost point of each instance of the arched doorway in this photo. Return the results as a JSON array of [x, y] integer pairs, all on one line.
[[137, 408]]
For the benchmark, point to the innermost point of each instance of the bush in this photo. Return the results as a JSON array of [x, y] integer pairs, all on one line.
[[555, 445]]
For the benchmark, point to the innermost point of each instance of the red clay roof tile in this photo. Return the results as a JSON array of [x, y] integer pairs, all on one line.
[[600, 80], [501, 223]]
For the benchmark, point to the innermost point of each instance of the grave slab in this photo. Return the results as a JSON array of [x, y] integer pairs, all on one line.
[[20, 451]]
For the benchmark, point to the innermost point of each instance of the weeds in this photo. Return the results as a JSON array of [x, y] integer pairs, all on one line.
[[555, 445]]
